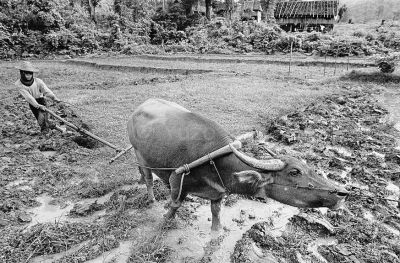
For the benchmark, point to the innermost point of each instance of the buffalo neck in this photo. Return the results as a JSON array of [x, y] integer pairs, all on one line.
[[229, 165]]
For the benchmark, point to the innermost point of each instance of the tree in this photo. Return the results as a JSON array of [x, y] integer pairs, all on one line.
[[118, 7], [229, 8], [208, 9], [92, 4], [342, 11], [188, 5], [268, 7], [73, 3]]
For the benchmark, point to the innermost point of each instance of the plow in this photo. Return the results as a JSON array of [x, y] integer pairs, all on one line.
[[120, 151], [185, 169]]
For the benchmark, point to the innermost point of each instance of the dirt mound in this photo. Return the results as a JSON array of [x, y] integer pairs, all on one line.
[[372, 77]]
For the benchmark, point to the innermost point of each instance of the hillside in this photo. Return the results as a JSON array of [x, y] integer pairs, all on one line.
[[361, 11]]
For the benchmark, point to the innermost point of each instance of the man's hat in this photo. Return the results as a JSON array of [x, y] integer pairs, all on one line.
[[27, 66]]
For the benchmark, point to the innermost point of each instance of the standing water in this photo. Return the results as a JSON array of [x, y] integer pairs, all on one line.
[[48, 212], [197, 240]]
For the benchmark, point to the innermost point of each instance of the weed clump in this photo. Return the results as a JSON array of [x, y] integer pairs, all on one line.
[[151, 249], [43, 239]]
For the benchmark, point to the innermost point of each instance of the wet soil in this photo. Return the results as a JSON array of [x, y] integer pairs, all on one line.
[[353, 139], [60, 202]]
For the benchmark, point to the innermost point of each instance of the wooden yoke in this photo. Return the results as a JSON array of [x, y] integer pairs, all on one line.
[[217, 153]]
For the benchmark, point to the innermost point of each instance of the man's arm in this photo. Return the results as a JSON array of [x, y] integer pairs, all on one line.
[[29, 98], [46, 91]]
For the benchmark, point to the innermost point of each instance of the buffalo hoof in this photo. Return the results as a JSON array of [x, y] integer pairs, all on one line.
[[169, 216], [168, 223], [172, 204]]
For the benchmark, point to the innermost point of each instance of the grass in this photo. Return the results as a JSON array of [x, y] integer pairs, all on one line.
[[248, 95]]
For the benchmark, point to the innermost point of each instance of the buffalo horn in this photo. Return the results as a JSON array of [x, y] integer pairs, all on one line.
[[269, 165]]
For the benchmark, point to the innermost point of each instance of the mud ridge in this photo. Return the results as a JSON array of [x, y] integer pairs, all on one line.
[[295, 61], [138, 69]]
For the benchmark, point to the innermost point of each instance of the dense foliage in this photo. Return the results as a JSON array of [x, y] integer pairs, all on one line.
[[44, 28]]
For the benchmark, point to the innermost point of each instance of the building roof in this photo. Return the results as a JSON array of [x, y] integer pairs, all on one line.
[[311, 9]]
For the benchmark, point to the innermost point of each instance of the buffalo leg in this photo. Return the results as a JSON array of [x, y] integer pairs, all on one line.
[[148, 177], [176, 190], [142, 179], [215, 211], [173, 207]]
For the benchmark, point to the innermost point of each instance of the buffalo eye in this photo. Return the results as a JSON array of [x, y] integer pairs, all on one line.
[[295, 172]]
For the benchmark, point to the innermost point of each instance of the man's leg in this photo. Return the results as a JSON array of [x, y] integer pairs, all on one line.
[[42, 116], [39, 117]]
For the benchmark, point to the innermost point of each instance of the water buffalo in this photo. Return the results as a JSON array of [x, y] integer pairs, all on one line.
[[166, 135]]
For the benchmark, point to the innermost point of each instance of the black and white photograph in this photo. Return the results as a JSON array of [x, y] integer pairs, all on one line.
[[200, 131]]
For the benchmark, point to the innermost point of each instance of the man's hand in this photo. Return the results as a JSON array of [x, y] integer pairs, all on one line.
[[42, 107], [59, 102]]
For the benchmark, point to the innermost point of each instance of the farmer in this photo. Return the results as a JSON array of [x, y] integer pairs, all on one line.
[[34, 91]]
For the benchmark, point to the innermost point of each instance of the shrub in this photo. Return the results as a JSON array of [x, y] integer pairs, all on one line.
[[387, 63], [85, 38], [62, 39], [389, 35]]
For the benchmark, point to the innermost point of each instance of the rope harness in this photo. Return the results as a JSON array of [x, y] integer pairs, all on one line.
[[216, 170], [311, 188], [187, 171]]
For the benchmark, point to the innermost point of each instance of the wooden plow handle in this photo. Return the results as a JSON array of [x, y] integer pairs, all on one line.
[[80, 130], [120, 154]]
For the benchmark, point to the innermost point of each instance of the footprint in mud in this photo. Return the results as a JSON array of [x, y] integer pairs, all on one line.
[[299, 241], [195, 241]]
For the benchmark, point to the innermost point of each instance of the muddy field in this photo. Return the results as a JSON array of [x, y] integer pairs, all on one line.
[[61, 201]]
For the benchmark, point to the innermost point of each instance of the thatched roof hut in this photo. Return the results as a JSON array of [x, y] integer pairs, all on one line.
[[300, 14], [307, 9]]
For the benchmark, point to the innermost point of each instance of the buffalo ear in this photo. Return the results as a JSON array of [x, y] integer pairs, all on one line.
[[267, 179], [253, 177]]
